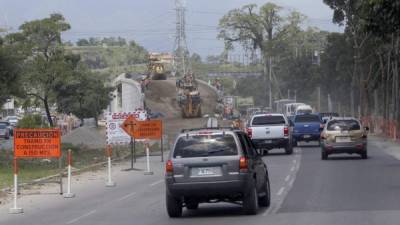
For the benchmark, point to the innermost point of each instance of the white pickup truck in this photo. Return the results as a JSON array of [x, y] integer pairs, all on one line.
[[269, 131]]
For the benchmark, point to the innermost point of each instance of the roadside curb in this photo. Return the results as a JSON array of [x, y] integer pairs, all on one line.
[[76, 171]]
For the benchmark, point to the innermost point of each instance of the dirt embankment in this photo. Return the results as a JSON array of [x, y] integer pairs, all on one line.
[[161, 97]]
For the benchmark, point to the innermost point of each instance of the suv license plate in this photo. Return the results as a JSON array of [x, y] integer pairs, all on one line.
[[343, 139], [307, 136], [206, 171], [268, 141]]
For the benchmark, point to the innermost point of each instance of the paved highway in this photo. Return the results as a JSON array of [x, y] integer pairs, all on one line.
[[305, 191]]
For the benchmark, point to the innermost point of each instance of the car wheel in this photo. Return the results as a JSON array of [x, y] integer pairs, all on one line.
[[192, 205], [265, 151], [364, 155], [265, 201], [7, 137], [289, 149], [250, 201], [174, 206], [324, 155]]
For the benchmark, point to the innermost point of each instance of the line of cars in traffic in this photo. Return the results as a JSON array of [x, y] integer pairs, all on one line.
[[334, 134]]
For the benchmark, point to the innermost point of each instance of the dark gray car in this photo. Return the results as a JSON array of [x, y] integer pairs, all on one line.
[[214, 165]]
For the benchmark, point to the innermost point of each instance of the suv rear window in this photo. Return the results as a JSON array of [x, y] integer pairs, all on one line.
[[343, 125], [268, 120], [307, 119], [205, 145], [2, 126]]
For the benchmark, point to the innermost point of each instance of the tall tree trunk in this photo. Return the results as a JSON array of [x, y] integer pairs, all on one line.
[[47, 108]]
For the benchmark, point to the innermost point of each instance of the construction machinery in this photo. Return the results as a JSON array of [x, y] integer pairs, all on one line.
[[158, 63], [189, 99]]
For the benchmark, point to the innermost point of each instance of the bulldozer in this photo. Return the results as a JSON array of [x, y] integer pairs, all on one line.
[[157, 66], [189, 99]]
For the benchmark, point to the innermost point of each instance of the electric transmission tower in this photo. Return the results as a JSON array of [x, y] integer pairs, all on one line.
[[181, 52]]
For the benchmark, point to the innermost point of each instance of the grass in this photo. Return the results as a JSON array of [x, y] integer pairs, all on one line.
[[32, 169]]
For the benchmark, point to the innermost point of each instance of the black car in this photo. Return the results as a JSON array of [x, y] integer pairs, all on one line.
[[214, 165]]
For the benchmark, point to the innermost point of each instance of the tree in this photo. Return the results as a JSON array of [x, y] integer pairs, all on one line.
[[44, 66], [264, 31], [9, 74], [82, 42], [85, 95]]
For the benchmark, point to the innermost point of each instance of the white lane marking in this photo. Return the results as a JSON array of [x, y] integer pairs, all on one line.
[[291, 183], [280, 191], [80, 217], [127, 196], [155, 183], [294, 161], [292, 169], [287, 178]]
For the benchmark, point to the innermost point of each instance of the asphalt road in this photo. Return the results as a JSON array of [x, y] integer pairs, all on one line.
[[305, 191]]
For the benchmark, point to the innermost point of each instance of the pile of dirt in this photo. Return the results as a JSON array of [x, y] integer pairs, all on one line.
[[91, 137], [161, 97]]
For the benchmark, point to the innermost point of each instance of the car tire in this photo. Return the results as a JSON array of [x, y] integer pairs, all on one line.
[[192, 205], [174, 206], [265, 201], [7, 137], [364, 155], [250, 201], [324, 155], [288, 149], [264, 151]]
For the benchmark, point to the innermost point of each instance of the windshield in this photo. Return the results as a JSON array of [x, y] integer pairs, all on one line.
[[2, 126], [268, 120], [205, 145], [339, 125], [307, 119]]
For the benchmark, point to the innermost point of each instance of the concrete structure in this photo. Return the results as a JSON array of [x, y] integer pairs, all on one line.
[[128, 95]]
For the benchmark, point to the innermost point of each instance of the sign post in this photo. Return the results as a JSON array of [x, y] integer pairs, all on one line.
[[144, 130], [148, 171], [109, 183], [33, 143], [69, 161], [15, 209]]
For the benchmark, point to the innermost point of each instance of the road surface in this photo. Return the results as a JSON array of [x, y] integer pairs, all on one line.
[[305, 190]]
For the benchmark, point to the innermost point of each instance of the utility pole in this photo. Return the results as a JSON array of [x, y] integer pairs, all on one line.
[[180, 46], [270, 82], [319, 99]]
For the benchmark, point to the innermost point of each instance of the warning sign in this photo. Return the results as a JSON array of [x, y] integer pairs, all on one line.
[[150, 129], [115, 133], [37, 143]]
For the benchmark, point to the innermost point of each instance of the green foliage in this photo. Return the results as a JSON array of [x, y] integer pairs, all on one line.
[[9, 75], [32, 121], [85, 95]]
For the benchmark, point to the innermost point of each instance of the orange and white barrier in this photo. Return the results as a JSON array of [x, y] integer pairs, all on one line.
[[15, 209], [148, 170], [69, 194], [109, 183]]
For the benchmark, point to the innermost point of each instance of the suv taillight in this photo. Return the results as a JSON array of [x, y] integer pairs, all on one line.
[[286, 131], [243, 164], [169, 167], [249, 132]]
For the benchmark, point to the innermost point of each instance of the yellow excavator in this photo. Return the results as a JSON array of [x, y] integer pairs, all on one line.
[[157, 66], [189, 98]]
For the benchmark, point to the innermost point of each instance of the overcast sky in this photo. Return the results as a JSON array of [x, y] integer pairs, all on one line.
[[150, 22]]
